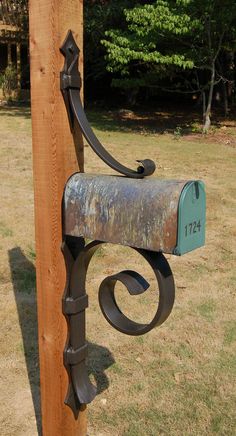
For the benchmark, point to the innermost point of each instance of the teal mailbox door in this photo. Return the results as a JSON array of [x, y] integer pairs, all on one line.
[[191, 218]]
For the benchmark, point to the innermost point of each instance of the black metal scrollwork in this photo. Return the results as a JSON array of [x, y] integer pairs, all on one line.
[[135, 285], [70, 87], [77, 257]]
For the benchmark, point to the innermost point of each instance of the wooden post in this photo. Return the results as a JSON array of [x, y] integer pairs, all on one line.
[[54, 160]]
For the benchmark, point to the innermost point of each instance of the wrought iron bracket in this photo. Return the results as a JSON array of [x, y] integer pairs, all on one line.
[[150, 216], [70, 81], [77, 256], [74, 303]]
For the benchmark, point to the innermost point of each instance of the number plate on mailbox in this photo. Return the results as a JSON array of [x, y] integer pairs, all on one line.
[[191, 218]]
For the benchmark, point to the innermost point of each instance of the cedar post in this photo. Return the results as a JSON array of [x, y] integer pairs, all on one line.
[[54, 160]]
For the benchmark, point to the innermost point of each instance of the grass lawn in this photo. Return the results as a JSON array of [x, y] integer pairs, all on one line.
[[179, 379]]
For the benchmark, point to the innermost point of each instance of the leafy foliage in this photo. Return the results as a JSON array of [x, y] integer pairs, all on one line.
[[9, 81], [182, 41], [15, 13], [185, 34], [99, 15]]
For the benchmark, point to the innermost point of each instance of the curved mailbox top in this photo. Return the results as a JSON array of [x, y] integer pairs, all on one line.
[[151, 214]]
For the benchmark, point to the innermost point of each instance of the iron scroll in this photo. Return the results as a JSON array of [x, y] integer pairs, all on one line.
[[77, 256], [70, 87]]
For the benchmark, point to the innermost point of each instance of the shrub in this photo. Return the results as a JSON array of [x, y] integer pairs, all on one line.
[[9, 82]]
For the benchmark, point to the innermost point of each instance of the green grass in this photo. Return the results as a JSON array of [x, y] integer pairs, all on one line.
[[31, 253], [207, 310], [183, 381], [185, 352], [5, 232], [116, 368], [230, 333], [179, 379]]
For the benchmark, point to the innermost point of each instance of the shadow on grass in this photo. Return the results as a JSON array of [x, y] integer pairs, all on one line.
[[99, 359], [22, 111], [23, 279], [144, 122], [24, 284], [168, 120]]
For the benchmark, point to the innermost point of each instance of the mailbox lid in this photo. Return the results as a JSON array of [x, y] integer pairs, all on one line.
[[191, 218]]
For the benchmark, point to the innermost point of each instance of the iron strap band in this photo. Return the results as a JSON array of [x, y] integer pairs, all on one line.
[[70, 81], [71, 307], [73, 357]]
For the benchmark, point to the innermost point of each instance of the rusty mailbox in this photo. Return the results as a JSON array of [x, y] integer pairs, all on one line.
[[150, 215]]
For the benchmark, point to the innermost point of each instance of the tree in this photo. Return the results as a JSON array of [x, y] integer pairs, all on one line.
[[99, 15], [217, 36], [15, 13], [14, 30], [166, 38]]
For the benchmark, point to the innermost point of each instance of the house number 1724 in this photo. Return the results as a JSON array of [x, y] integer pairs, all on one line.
[[192, 228]]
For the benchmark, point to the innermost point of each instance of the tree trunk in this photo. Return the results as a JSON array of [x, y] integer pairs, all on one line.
[[204, 103], [224, 83], [207, 115], [132, 96], [225, 97]]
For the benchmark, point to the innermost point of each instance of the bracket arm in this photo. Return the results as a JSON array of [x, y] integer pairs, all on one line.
[[70, 88]]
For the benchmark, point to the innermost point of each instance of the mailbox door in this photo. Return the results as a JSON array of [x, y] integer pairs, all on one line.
[[191, 218]]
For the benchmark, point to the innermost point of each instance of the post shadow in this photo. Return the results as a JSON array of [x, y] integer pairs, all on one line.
[[24, 285]]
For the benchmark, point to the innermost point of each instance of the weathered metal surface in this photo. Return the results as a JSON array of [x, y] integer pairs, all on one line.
[[141, 214], [70, 88]]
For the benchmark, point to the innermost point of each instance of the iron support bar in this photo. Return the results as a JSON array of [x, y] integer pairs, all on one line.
[[77, 258], [150, 216], [70, 87]]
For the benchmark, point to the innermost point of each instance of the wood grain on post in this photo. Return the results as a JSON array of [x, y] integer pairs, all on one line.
[[54, 160]]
